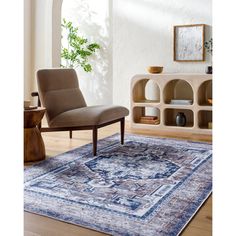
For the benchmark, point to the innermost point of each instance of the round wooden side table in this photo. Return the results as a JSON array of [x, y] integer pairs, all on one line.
[[34, 149]]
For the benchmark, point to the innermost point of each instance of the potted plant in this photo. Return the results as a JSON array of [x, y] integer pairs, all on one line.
[[209, 48], [78, 48]]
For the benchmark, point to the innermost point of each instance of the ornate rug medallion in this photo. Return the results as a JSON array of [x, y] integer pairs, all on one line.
[[149, 186]]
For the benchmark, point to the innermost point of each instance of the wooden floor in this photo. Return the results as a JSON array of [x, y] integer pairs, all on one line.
[[58, 142]]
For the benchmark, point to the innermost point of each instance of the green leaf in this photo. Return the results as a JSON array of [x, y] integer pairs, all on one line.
[[87, 67], [92, 47], [78, 48]]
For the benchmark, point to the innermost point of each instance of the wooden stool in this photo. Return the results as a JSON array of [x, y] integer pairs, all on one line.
[[34, 149]]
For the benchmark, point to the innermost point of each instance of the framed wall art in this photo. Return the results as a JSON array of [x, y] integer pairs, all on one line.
[[189, 42]]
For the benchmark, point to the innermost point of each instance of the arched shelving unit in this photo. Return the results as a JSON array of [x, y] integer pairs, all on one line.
[[146, 91], [205, 119], [190, 93], [177, 89], [205, 93]]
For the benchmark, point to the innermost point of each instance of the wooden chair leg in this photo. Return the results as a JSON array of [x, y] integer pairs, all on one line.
[[122, 130], [95, 138], [70, 134]]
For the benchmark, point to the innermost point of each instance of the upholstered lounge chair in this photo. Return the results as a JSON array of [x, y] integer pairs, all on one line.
[[66, 108]]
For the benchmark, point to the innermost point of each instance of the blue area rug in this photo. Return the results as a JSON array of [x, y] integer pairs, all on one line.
[[149, 186]]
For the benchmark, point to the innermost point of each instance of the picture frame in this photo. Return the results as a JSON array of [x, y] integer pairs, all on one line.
[[189, 43]]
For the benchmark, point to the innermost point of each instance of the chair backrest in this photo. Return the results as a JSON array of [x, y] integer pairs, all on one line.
[[59, 91]]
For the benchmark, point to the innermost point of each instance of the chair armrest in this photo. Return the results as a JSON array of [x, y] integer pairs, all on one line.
[[36, 94]]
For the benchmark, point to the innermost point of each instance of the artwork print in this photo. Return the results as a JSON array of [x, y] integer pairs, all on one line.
[[189, 43]]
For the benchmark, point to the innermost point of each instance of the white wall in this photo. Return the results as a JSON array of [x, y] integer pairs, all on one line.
[[43, 43], [134, 34], [92, 17], [27, 49], [143, 36], [37, 42], [42, 34], [56, 33]]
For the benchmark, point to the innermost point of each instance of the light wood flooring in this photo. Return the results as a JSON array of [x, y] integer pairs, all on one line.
[[59, 142]]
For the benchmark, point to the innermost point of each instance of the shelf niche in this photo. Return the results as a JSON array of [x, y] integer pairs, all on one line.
[[205, 93], [170, 117], [177, 89], [146, 91], [204, 117], [138, 112]]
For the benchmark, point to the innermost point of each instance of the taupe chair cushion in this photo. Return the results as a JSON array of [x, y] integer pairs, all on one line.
[[89, 116], [64, 102], [59, 91]]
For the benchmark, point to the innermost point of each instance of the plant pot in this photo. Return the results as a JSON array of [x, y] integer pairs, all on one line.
[[180, 119], [209, 70]]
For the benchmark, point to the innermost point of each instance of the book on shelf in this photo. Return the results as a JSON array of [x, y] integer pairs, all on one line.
[[153, 120], [148, 117], [181, 102], [150, 122]]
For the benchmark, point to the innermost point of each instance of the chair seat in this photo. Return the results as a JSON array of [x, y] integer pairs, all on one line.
[[89, 116]]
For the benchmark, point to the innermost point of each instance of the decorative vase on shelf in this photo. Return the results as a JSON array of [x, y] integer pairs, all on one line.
[[209, 70], [208, 45], [180, 119]]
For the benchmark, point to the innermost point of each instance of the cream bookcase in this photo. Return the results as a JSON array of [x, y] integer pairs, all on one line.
[[151, 94]]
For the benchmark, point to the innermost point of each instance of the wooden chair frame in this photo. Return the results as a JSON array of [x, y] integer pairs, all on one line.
[[91, 127]]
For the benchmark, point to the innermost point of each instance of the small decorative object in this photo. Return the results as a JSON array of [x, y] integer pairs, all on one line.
[[209, 125], [210, 100], [155, 69], [180, 119], [209, 70], [209, 48], [26, 103], [189, 42]]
